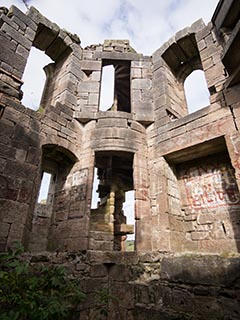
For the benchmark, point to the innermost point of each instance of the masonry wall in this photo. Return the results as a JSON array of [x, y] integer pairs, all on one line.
[[185, 166], [153, 285], [179, 139], [20, 152], [32, 132]]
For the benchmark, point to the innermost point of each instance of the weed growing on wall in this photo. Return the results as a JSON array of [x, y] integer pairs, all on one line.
[[33, 292]]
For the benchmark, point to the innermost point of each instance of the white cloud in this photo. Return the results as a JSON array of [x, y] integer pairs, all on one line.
[[147, 24]]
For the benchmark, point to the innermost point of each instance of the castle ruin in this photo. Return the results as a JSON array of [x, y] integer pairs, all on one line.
[[184, 168]]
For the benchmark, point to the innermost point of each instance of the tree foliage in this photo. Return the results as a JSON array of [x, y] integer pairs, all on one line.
[[35, 292]]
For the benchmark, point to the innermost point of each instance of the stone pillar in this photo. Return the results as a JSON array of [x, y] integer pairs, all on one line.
[[142, 204]]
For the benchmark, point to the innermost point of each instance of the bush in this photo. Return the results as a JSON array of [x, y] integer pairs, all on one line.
[[33, 292]]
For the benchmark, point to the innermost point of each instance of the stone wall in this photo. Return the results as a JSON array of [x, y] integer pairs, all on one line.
[[154, 285], [20, 153], [183, 168]]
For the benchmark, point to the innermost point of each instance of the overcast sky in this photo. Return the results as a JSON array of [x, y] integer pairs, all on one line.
[[146, 23]]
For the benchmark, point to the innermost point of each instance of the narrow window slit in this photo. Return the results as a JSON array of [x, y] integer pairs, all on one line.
[[1, 111], [43, 197]]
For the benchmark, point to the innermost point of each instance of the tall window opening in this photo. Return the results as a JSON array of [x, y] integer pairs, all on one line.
[[107, 88], [115, 86], [45, 188], [114, 214], [128, 209], [52, 206], [196, 91], [34, 78], [95, 195]]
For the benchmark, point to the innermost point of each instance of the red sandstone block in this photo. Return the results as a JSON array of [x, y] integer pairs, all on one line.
[[232, 95], [177, 240], [201, 235], [216, 246], [77, 244], [205, 218], [176, 224]]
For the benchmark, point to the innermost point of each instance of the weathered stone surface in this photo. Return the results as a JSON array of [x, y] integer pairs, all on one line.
[[141, 84], [183, 168], [157, 286]]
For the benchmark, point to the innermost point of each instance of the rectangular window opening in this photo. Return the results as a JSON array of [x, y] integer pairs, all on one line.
[[107, 89], [95, 196], [128, 209], [115, 86]]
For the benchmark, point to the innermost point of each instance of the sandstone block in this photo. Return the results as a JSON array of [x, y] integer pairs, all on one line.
[[91, 65], [93, 99], [98, 270], [136, 73], [89, 87], [205, 218], [141, 84], [201, 235], [17, 36], [4, 229], [96, 76], [14, 11]]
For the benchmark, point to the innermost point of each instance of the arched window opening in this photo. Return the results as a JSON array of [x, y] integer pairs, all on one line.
[[56, 200], [128, 209], [34, 78], [196, 91], [107, 88]]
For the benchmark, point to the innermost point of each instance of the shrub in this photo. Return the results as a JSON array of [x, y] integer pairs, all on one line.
[[33, 292]]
